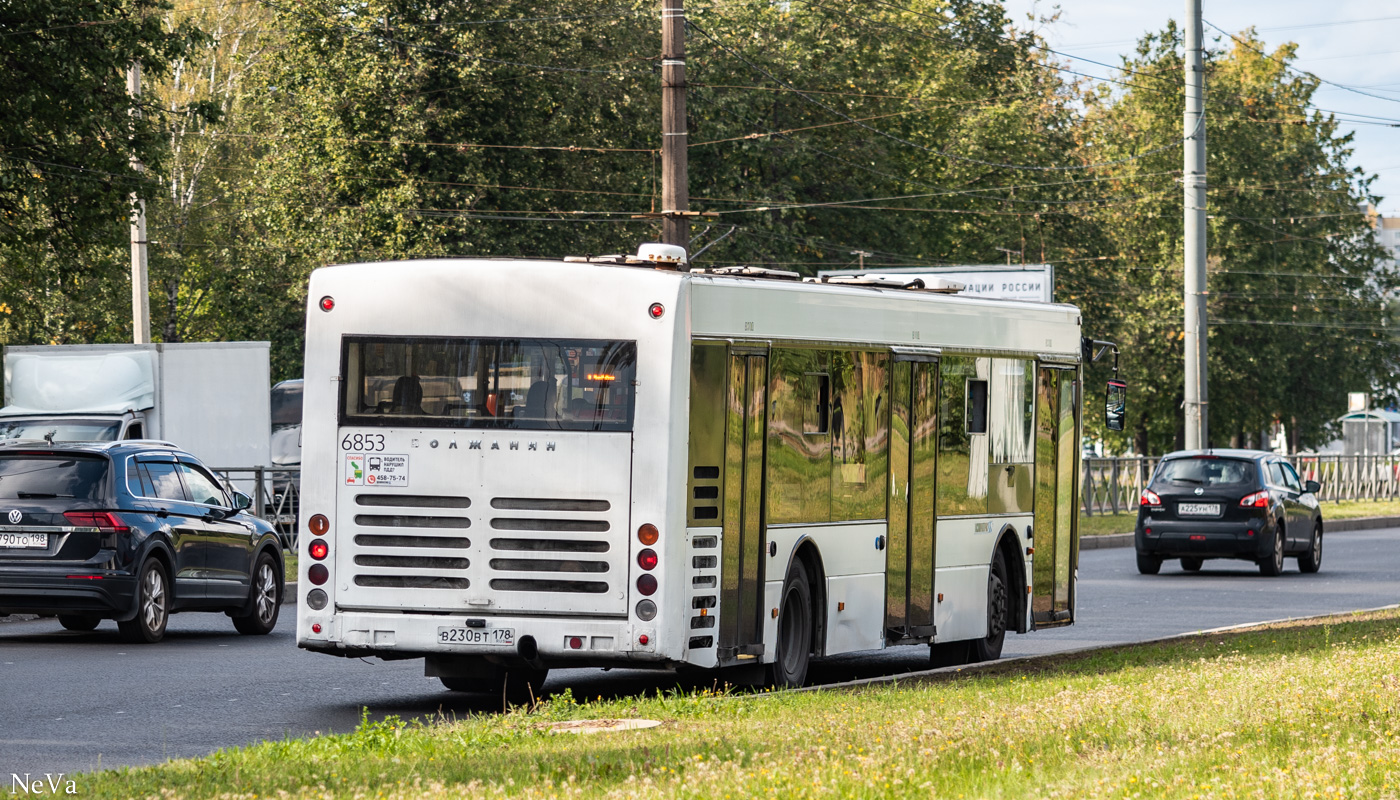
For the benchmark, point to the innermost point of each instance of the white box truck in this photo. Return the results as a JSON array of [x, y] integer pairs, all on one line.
[[210, 399]]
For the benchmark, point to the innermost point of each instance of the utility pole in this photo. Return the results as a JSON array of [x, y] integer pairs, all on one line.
[[675, 189], [861, 254], [140, 292], [1194, 182]]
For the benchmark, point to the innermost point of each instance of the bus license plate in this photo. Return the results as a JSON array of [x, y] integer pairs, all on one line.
[[1198, 509], [25, 540], [502, 636]]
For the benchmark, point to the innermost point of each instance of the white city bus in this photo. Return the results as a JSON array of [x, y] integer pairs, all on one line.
[[517, 465]]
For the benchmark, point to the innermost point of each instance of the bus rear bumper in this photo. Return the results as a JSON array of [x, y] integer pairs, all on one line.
[[545, 641]]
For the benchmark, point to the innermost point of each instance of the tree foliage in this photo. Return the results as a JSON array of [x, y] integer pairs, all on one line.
[[918, 131]]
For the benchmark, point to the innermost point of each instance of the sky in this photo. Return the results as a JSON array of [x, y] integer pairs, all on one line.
[[1355, 43]]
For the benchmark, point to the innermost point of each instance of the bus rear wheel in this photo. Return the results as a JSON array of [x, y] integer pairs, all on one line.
[[794, 653], [988, 648]]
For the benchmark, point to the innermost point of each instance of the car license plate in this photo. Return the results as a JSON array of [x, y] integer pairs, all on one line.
[[24, 540], [502, 636], [1198, 509]]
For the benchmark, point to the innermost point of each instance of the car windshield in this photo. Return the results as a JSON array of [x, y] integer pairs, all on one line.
[[1206, 471], [64, 430], [28, 476]]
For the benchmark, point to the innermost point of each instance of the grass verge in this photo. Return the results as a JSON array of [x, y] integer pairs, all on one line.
[[1299, 710], [1101, 524]]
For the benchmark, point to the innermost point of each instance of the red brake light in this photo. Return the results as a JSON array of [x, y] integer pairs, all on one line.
[[318, 574], [327, 303], [1256, 500], [1149, 498], [646, 584], [318, 549], [647, 559], [656, 310], [105, 521]]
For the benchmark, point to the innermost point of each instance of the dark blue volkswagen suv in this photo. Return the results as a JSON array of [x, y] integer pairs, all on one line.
[[131, 531]]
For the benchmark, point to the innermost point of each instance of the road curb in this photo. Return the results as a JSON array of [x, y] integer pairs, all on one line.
[[973, 668], [1331, 526]]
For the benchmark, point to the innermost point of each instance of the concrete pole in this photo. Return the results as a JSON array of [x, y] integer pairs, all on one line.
[[1194, 181], [675, 189], [140, 291]]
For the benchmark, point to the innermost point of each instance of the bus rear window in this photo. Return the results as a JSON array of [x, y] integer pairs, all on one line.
[[528, 384]]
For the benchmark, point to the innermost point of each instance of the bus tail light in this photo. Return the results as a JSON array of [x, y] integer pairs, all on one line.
[[318, 524], [318, 549], [318, 574], [647, 559], [1256, 500], [656, 311], [327, 303], [646, 584], [646, 610], [648, 534]]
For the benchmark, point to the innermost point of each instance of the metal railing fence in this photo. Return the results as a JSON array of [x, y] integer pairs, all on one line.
[[1113, 485], [276, 493], [1108, 485]]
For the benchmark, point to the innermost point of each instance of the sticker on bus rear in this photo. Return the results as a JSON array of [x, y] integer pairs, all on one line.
[[382, 469], [354, 469]]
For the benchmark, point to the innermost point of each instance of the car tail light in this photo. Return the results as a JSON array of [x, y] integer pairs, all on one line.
[[646, 584], [318, 524], [319, 549], [648, 534], [1256, 500], [647, 559], [104, 521], [1149, 498]]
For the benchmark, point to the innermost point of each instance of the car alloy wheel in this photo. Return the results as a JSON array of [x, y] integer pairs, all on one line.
[[259, 616], [152, 606]]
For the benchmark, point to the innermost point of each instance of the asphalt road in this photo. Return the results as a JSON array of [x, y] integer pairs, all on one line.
[[78, 701]]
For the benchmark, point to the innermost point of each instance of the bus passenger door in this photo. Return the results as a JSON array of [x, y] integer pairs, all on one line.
[[1056, 512], [741, 568], [910, 560]]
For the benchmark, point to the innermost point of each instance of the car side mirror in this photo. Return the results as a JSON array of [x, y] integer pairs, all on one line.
[[1312, 487], [241, 501], [1116, 407]]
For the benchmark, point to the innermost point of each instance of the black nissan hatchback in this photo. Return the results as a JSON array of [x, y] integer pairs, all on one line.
[[130, 531], [1242, 504]]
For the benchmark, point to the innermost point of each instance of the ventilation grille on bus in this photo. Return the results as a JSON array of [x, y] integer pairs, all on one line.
[[704, 590], [540, 555], [704, 500], [414, 540]]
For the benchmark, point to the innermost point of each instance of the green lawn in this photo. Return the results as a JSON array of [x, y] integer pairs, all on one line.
[[1100, 524], [1293, 711]]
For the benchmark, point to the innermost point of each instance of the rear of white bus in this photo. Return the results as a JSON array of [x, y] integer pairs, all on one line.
[[485, 450]]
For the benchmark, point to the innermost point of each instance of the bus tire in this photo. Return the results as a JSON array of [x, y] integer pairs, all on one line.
[[988, 648], [794, 642], [523, 686], [947, 654]]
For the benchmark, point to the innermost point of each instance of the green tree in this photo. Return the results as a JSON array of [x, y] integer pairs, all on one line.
[[69, 132], [1297, 287]]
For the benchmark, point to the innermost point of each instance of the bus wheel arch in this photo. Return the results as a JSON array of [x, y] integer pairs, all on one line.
[[1009, 545], [807, 552]]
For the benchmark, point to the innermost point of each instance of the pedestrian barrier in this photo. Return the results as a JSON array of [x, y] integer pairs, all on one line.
[[1113, 485], [276, 493]]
